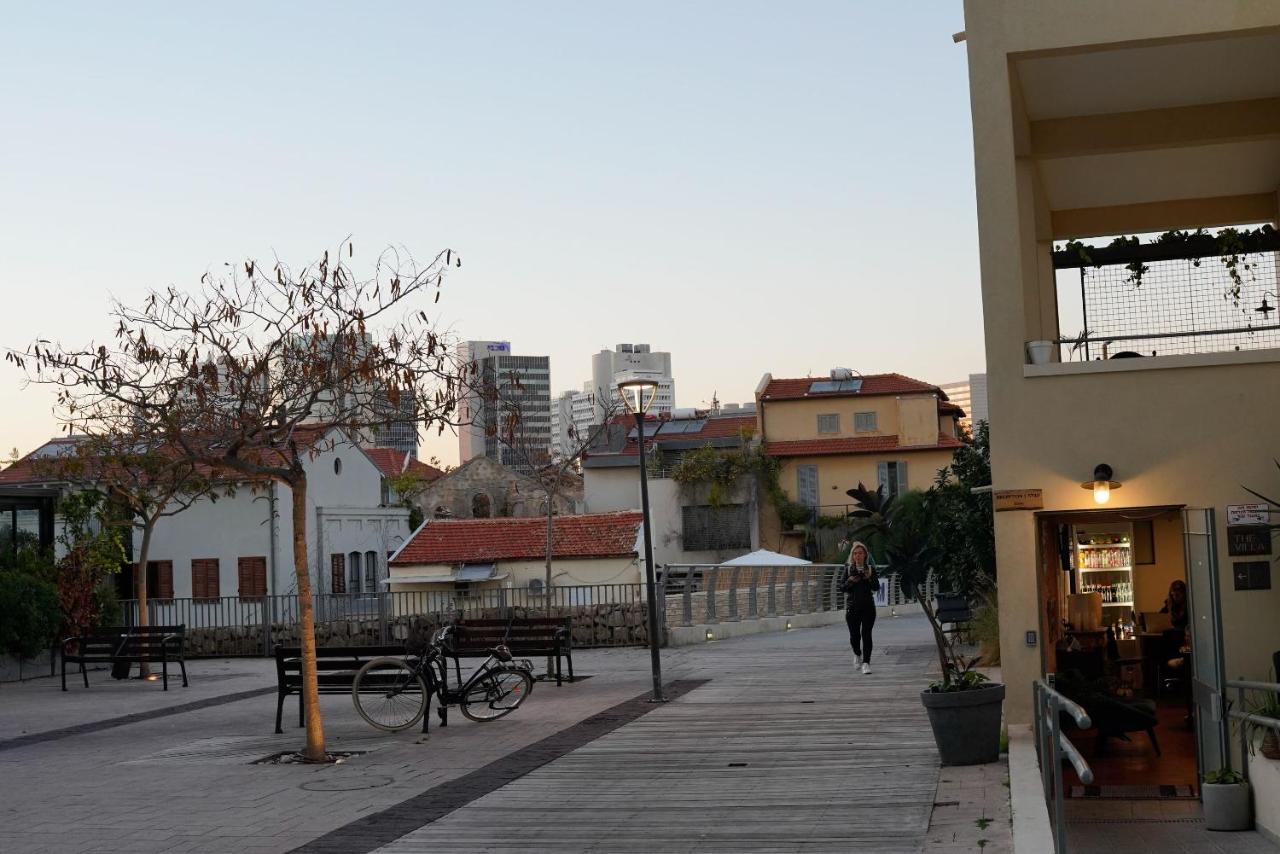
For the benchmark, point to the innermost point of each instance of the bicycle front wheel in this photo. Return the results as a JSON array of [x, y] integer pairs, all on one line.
[[389, 694], [499, 692]]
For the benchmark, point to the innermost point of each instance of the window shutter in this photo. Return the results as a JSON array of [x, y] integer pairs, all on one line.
[[204, 578], [882, 475], [902, 476], [371, 572], [338, 573], [253, 577], [161, 571], [807, 485]]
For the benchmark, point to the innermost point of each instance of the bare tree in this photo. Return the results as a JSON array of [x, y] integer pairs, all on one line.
[[529, 450], [252, 373], [145, 478]]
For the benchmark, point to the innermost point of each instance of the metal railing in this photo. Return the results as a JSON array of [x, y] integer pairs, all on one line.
[[1243, 719], [1052, 746], [600, 615]]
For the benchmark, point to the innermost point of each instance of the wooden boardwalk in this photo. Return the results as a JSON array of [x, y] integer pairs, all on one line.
[[786, 749]]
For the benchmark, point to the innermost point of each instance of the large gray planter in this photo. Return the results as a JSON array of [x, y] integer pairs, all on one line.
[[966, 724], [1226, 806]]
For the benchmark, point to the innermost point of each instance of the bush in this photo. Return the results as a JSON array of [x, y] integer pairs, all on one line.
[[29, 614], [986, 630]]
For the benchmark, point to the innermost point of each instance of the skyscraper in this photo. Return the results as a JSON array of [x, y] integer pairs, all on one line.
[[584, 409], [507, 412]]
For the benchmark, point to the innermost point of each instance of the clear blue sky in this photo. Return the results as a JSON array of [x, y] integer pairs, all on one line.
[[755, 187]]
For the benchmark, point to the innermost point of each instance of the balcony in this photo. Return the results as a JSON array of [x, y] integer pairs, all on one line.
[[1166, 301]]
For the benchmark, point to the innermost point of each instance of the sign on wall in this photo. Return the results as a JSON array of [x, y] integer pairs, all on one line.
[[1252, 574], [1248, 540], [1248, 514], [1019, 499]]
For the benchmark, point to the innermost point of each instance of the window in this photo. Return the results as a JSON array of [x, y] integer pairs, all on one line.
[[893, 477], [807, 485], [204, 578], [706, 528], [253, 577], [353, 572], [481, 506], [370, 572], [338, 573], [829, 423], [160, 579], [864, 422]]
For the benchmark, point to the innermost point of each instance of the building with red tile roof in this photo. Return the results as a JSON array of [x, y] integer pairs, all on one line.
[[832, 433], [592, 548]]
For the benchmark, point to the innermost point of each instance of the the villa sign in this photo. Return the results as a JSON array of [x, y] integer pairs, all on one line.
[[1019, 499]]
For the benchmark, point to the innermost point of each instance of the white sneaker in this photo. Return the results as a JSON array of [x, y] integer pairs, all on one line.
[[857, 661], [866, 668]]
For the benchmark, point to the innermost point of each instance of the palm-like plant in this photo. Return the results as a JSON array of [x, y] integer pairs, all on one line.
[[900, 525]]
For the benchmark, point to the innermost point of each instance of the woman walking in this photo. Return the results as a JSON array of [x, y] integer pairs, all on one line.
[[860, 584]]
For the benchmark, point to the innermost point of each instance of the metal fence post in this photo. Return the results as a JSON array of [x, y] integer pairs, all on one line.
[[771, 600], [788, 605], [687, 598], [382, 617], [709, 593], [733, 595], [753, 595], [266, 625]]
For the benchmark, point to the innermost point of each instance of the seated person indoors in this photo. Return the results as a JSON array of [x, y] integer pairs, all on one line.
[[1176, 605]]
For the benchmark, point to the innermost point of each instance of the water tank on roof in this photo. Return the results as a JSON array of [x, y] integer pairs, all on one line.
[[642, 348], [624, 348], [684, 413], [730, 407], [841, 374]]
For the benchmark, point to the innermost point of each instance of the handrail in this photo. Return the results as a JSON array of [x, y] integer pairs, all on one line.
[[1071, 707], [1254, 686], [1241, 686], [1083, 771], [1053, 747]]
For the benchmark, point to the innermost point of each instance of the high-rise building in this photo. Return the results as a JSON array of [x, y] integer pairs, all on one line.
[[958, 393], [506, 414], [978, 398], [599, 395]]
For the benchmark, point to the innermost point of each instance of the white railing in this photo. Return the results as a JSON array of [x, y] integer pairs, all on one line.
[[1053, 747]]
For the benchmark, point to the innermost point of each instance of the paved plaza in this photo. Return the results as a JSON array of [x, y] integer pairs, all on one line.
[[773, 743]]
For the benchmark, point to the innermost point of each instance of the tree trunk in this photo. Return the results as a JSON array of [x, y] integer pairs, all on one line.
[[939, 637], [314, 751], [546, 590], [140, 583]]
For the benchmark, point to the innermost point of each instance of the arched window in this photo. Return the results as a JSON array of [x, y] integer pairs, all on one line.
[[370, 572], [354, 576], [481, 506]]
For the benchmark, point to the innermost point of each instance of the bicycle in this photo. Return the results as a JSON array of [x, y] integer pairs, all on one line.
[[393, 694]]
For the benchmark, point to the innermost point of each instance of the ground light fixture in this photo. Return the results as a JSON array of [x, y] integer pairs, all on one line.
[[639, 390], [711, 635], [1102, 484]]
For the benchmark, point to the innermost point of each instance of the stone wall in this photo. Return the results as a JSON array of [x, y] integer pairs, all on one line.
[[592, 626], [509, 493]]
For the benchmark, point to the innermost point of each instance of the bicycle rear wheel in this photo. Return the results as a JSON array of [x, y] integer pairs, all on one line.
[[389, 694], [499, 692]]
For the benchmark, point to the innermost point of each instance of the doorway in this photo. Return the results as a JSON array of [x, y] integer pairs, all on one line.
[[1120, 594]]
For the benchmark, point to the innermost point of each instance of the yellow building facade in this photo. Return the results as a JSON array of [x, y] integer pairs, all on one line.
[[831, 435]]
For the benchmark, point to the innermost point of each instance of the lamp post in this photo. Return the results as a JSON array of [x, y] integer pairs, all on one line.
[[643, 386]]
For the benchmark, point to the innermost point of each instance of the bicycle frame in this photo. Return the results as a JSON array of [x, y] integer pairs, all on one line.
[[433, 667]]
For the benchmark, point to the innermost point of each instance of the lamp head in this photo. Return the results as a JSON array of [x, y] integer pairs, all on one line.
[[638, 389], [1102, 484]]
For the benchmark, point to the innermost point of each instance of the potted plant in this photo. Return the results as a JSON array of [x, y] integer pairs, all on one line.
[[1039, 351], [964, 707], [1226, 801]]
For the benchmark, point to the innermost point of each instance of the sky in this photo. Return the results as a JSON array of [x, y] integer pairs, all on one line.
[[754, 186]]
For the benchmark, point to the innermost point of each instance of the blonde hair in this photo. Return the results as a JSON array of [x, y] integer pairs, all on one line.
[[855, 545]]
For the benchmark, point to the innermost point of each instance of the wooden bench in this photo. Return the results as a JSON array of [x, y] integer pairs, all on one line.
[[526, 637], [114, 644], [336, 668], [953, 610]]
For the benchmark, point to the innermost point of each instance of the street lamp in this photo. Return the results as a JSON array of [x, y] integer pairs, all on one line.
[[639, 389]]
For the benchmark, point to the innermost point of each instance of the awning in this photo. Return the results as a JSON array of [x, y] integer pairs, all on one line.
[[764, 557], [477, 572]]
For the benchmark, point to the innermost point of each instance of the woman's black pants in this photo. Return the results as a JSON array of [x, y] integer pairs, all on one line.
[[860, 622]]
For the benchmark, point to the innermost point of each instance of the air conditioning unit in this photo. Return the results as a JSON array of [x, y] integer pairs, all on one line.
[[537, 587]]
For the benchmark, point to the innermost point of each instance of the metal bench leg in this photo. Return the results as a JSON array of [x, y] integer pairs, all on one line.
[[302, 696], [84, 673], [426, 716], [64, 674], [559, 680], [569, 658], [280, 695], [182, 662], [164, 670]]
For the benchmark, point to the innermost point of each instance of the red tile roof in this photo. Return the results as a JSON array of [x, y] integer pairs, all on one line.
[[593, 535], [863, 445], [950, 408], [872, 384], [392, 463], [28, 470]]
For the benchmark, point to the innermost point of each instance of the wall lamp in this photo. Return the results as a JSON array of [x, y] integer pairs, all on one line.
[[1102, 484]]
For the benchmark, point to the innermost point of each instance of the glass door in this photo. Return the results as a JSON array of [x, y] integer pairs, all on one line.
[[1205, 628]]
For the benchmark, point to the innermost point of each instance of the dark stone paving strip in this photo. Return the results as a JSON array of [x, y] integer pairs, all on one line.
[[125, 720], [381, 828]]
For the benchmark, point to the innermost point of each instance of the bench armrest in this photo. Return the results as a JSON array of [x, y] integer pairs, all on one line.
[[66, 642], [164, 641]]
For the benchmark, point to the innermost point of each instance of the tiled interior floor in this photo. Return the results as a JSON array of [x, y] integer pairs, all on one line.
[[1135, 762]]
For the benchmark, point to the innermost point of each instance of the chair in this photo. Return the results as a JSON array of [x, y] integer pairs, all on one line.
[[1111, 716], [1171, 664]]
